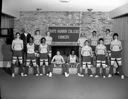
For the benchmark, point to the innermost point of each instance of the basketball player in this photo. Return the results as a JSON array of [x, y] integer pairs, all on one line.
[[17, 47], [86, 53], [72, 61], [116, 48], [37, 38], [31, 56], [58, 60], [101, 58], [44, 50], [82, 39]]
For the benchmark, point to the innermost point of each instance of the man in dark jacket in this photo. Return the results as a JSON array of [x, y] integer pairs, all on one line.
[[25, 36]]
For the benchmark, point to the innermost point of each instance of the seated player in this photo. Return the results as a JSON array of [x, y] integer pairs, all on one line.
[[116, 48], [86, 53], [44, 50], [17, 47], [107, 40], [101, 58], [58, 61], [72, 62], [31, 56]]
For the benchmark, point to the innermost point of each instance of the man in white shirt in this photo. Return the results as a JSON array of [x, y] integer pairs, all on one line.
[[116, 59], [82, 39], [17, 47]]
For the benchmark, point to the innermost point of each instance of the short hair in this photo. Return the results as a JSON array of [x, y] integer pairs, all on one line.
[[86, 41], [31, 38], [115, 34], [43, 38], [17, 33], [101, 39], [93, 31], [107, 30], [37, 31]]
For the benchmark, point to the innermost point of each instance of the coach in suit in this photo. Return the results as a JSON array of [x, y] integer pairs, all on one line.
[[25, 36]]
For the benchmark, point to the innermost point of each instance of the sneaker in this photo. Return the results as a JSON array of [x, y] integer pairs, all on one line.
[[50, 74], [91, 75], [22, 74], [13, 75], [66, 74], [80, 75], [41, 74], [109, 75], [122, 76], [96, 76], [37, 74]]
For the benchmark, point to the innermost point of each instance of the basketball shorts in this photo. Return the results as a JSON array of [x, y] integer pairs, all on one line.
[[100, 58], [43, 55], [31, 56], [17, 53], [86, 59], [116, 54]]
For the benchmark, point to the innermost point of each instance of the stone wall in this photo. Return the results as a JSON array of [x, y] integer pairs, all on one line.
[[88, 21]]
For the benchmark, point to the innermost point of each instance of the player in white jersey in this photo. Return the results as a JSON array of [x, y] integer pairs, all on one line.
[[72, 62], [37, 38], [31, 56], [44, 50], [81, 40], [94, 40], [86, 53], [116, 62], [17, 47], [58, 60], [101, 58]]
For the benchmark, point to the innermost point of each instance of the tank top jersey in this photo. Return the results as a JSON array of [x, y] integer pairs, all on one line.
[[18, 44], [48, 40], [86, 51], [100, 49], [94, 40], [37, 39], [58, 59], [30, 48], [43, 48], [107, 39], [116, 44], [72, 59]]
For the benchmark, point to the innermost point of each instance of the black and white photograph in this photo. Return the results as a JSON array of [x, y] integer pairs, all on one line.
[[64, 49]]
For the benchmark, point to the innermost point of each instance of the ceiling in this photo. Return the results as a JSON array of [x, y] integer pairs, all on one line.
[[14, 6]]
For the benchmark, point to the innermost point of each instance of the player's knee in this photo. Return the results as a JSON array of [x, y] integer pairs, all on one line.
[[21, 61], [104, 65], [84, 66], [98, 64], [13, 61]]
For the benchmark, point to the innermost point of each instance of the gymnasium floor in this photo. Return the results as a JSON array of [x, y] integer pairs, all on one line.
[[60, 87]]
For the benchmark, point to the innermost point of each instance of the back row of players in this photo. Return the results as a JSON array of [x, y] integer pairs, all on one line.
[[105, 51]]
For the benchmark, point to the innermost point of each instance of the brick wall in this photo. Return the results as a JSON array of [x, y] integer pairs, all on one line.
[[88, 21]]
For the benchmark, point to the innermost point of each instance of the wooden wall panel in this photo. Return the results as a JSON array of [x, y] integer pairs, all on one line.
[[121, 26]]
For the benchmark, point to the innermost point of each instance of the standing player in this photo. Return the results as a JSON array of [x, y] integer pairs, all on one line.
[[116, 48], [37, 38], [58, 60], [17, 47], [94, 41], [44, 50], [107, 40], [82, 39], [72, 62], [101, 58], [86, 53], [31, 56]]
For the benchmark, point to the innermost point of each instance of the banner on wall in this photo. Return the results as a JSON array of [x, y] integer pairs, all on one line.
[[64, 34]]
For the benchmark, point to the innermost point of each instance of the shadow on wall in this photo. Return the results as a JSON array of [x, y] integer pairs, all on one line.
[[5, 53]]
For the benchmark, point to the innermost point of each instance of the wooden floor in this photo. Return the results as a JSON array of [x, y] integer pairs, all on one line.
[[60, 87]]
